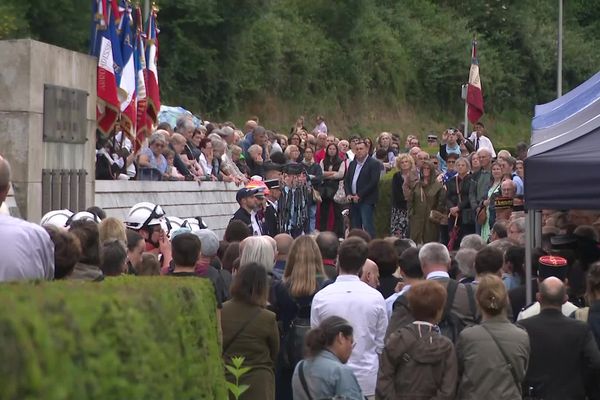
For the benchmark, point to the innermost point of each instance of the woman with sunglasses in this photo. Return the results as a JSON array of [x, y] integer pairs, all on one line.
[[323, 373], [151, 157]]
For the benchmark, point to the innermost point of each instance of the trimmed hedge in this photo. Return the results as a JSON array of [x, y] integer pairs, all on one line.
[[383, 210], [124, 338]]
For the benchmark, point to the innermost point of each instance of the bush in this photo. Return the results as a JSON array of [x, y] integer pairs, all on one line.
[[383, 211], [126, 338]]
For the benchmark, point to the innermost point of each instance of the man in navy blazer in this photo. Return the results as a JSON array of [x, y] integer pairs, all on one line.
[[362, 188]]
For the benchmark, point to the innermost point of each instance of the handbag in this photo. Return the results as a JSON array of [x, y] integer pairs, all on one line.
[[481, 214], [340, 195], [316, 196], [436, 217]]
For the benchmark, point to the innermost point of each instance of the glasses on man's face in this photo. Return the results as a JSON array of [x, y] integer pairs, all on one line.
[[450, 162]]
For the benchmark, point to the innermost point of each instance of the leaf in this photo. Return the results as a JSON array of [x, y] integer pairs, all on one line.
[[243, 370], [234, 389], [243, 388], [234, 371], [237, 361]]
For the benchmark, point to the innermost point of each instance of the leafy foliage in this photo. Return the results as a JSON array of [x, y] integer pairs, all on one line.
[[125, 338], [237, 371], [224, 57]]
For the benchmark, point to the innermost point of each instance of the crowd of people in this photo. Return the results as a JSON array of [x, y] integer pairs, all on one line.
[[317, 305], [452, 186]]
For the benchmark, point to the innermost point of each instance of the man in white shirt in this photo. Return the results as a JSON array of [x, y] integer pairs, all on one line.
[[480, 141], [27, 250], [362, 306]]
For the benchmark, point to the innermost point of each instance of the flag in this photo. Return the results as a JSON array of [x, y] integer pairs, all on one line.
[[99, 24], [474, 93], [152, 88], [106, 84], [116, 49], [128, 76], [140, 72]]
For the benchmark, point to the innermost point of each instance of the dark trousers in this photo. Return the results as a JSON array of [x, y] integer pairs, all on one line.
[[338, 221], [361, 217]]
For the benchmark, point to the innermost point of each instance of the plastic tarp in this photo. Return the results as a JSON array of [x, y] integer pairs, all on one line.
[[562, 164], [171, 114]]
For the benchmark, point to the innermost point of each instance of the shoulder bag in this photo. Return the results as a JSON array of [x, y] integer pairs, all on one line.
[[512, 368], [340, 195], [239, 331]]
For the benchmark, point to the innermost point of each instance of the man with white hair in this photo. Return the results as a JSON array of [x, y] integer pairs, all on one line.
[[516, 231], [479, 188], [321, 147], [435, 262], [185, 126], [27, 250]]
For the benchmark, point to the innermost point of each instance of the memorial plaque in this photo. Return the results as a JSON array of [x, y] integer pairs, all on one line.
[[65, 114]]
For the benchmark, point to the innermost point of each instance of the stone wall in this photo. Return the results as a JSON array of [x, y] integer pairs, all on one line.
[[25, 67], [213, 201]]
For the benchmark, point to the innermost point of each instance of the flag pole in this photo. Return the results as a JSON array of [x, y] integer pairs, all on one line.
[[560, 49]]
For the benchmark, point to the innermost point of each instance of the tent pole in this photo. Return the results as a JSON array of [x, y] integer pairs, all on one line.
[[537, 229], [529, 224]]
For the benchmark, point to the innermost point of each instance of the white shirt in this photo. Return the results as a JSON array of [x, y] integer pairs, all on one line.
[[567, 309], [437, 275], [204, 164], [361, 305], [27, 251], [256, 231], [357, 170], [350, 155], [484, 143], [126, 145], [389, 302]]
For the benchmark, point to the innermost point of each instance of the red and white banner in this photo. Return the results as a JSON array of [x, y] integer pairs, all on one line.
[[106, 87], [474, 92]]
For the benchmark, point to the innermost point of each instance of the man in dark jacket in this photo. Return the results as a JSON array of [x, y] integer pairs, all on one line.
[[561, 348], [362, 188], [246, 198]]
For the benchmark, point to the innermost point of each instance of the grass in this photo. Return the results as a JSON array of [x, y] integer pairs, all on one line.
[[371, 117]]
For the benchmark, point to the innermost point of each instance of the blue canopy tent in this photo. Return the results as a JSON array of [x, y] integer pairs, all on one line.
[[561, 169]]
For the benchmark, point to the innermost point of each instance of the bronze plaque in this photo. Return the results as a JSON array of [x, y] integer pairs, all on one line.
[[65, 114]]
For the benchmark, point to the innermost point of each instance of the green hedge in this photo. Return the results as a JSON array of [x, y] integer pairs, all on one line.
[[125, 338], [383, 210]]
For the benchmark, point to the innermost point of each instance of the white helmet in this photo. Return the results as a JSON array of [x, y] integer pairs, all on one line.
[[58, 218], [174, 223], [84, 216], [144, 214], [195, 223]]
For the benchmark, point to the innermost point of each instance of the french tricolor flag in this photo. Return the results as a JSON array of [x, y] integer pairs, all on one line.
[[474, 93], [106, 84], [128, 76], [152, 89]]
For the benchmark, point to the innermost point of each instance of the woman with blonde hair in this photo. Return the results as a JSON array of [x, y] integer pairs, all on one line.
[[492, 356], [405, 165], [291, 299], [111, 229]]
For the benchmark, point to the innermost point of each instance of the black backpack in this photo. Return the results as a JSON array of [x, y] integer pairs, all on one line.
[[293, 342], [451, 324]]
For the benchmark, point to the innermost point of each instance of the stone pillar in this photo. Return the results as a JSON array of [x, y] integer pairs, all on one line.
[[25, 67]]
